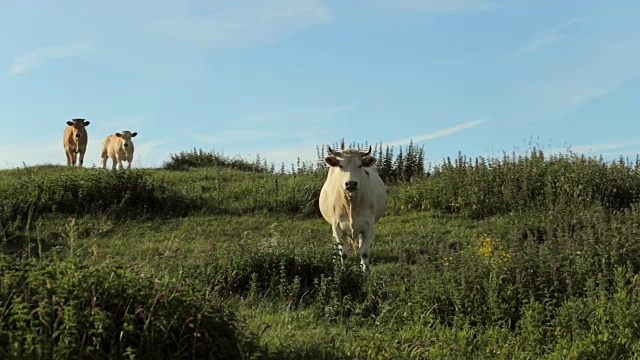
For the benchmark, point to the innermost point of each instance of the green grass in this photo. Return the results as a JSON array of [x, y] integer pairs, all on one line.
[[513, 258]]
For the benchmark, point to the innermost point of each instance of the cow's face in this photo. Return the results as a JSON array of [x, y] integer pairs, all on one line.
[[126, 138], [77, 125], [350, 167]]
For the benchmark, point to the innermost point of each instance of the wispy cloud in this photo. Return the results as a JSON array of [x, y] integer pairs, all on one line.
[[609, 68], [40, 56], [594, 148], [343, 107], [31, 153], [147, 154], [115, 125], [440, 5], [544, 38], [305, 149], [245, 135], [438, 133], [245, 23]]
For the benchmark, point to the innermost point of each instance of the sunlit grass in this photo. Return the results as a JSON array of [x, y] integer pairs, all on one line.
[[508, 258]]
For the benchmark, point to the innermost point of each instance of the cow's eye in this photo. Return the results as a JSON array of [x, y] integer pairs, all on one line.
[[341, 166], [360, 165]]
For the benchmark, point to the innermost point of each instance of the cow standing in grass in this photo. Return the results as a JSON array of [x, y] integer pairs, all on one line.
[[119, 148], [75, 140], [352, 200]]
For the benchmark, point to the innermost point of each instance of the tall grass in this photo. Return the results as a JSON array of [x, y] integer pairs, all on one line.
[[527, 256], [478, 187], [67, 309]]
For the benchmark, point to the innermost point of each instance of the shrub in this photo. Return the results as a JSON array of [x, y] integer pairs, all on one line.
[[483, 188], [67, 309], [119, 193], [197, 158]]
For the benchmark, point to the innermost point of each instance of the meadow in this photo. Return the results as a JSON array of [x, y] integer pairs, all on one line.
[[209, 257]]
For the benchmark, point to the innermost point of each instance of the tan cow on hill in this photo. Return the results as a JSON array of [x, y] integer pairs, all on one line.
[[75, 140], [352, 200], [119, 148]]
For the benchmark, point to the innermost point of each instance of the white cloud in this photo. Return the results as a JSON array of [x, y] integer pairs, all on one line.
[[343, 107], [40, 56], [31, 153], [543, 39], [438, 133], [593, 148], [115, 125], [245, 23], [244, 135], [609, 67], [306, 142], [148, 156], [440, 5], [305, 150]]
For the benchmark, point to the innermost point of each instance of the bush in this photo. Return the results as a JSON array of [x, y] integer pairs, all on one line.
[[296, 277], [72, 310], [483, 188], [197, 158], [118, 193]]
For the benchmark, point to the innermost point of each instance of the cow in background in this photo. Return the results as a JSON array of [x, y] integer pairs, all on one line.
[[119, 148], [75, 140]]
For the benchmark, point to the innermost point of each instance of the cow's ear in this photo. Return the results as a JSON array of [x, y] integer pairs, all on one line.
[[70, 123], [332, 161], [134, 134], [118, 135], [368, 161], [86, 123]]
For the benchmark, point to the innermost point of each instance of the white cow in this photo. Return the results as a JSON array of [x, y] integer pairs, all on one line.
[[352, 200], [119, 148]]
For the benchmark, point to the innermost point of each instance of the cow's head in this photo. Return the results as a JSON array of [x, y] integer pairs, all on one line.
[[78, 125], [126, 138], [350, 166]]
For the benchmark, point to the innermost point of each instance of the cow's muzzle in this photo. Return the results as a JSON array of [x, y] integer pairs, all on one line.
[[351, 185]]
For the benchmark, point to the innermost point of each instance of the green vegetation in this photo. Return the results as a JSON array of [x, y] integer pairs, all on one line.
[[520, 257]]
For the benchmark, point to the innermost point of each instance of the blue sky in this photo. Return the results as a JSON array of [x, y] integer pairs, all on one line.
[[278, 77]]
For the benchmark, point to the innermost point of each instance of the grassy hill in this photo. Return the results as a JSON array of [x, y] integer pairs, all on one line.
[[211, 257]]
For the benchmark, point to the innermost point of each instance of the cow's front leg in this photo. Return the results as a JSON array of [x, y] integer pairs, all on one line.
[[69, 157], [341, 243], [119, 159], [81, 158], [365, 241]]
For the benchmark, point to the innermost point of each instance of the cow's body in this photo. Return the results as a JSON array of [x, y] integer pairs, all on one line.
[[119, 148], [352, 200], [75, 140]]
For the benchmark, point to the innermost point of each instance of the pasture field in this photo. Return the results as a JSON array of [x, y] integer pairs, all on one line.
[[528, 257]]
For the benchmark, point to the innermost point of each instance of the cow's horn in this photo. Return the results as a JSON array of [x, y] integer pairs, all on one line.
[[332, 152], [366, 153]]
